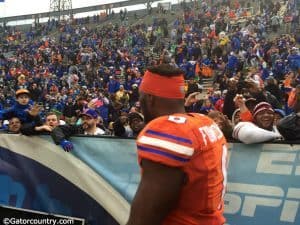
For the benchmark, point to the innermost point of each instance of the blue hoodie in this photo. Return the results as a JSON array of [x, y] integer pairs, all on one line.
[[19, 111], [294, 62], [232, 62]]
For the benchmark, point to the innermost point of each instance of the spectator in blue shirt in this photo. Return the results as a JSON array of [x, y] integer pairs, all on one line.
[[113, 85], [23, 109]]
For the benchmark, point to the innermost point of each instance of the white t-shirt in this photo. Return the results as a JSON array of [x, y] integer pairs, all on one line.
[[98, 131]]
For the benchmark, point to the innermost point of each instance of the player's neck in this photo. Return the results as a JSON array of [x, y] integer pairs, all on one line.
[[170, 110]]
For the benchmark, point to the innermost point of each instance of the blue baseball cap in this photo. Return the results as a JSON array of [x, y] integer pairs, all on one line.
[[90, 113], [280, 112]]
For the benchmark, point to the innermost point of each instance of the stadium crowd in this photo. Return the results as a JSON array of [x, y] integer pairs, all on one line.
[[86, 81]]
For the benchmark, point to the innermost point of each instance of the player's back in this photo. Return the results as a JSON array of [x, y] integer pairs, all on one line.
[[194, 143]]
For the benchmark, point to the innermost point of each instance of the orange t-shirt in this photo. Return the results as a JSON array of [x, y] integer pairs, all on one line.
[[246, 116], [292, 98], [194, 143], [287, 82]]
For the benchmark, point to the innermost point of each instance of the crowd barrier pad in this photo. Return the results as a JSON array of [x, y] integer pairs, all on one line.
[[98, 179]]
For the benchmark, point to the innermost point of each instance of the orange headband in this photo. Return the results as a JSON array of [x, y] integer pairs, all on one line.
[[161, 86]]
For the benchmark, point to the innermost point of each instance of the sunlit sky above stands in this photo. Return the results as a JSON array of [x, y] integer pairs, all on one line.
[[23, 7]]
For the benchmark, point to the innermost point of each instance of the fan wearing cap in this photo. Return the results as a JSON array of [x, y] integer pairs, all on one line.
[[129, 125], [261, 129], [90, 120], [278, 115], [23, 109]]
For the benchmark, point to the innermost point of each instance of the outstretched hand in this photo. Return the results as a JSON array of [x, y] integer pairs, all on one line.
[[44, 128], [66, 145], [34, 110]]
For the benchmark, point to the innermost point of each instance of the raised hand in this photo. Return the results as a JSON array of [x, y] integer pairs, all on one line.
[[34, 110]]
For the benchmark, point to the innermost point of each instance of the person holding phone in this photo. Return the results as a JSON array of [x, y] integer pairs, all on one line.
[[193, 102], [69, 111]]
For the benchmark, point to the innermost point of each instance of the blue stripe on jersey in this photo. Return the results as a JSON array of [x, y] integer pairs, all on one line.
[[158, 152], [180, 139]]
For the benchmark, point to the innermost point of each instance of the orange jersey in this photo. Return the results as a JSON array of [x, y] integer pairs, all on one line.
[[194, 143]]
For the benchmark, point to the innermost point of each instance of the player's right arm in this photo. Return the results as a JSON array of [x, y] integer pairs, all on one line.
[[157, 193]]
